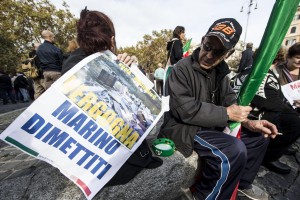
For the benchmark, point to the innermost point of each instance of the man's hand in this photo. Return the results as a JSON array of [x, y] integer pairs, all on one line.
[[263, 126], [128, 60], [238, 113]]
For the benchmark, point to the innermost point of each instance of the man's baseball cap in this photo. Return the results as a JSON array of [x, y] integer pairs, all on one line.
[[228, 30]]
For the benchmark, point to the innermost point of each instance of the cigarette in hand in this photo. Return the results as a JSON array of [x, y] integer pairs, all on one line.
[[279, 133]]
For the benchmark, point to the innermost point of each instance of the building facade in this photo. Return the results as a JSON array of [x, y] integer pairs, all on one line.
[[293, 34]]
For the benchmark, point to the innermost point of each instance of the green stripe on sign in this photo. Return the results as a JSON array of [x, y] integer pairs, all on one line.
[[21, 146]]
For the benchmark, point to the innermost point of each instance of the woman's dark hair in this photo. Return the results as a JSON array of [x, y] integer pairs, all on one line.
[[294, 50], [95, 31], [177, 31]]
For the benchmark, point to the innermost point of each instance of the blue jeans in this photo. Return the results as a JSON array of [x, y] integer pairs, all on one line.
[[24, 93]]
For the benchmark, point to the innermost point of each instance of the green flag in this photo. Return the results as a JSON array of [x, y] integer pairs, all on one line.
[[186, 48], [280, 19]]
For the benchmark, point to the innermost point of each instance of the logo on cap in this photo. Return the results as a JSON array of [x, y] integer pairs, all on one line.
[[224, 28], [228, 30]]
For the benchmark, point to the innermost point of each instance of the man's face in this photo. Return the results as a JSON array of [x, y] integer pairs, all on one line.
[[294, 62], [212, 52]]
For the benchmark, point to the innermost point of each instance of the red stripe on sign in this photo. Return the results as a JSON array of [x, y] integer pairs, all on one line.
[[84, 187]]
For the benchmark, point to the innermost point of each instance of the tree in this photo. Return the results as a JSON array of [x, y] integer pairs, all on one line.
[[152, 50], [7, 55], [21, 23]]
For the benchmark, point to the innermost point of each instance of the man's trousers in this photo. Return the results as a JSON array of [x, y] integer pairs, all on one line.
[[227, 162]]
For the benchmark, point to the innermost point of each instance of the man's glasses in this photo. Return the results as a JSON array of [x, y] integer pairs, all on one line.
[[216, 52]]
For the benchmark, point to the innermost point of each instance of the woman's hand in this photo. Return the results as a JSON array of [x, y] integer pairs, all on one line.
[[128, 60]]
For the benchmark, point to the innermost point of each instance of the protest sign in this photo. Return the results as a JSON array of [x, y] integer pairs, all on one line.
[[89, 122], [291, 91]]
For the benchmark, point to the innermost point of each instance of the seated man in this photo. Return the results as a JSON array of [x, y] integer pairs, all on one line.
[[269, 104], [201, 105]]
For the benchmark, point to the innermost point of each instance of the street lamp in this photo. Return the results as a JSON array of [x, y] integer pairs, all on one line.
[[248, 15]]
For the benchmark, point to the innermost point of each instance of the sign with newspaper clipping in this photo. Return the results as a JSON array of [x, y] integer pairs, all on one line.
[[89, 122]]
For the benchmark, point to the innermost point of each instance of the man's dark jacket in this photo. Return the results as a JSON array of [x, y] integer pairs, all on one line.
[[50, 57], [191, 97]]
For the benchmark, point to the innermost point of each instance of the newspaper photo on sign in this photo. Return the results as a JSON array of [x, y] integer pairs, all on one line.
[[89, 122]]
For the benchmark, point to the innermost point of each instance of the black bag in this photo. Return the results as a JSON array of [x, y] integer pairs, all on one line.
[[140, 159]]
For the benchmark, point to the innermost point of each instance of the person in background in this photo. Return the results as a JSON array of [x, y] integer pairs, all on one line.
[[202, 103], [150, 75], [174, 47], [290, 70], [6, 89], [72, 46], [270, 104], [22, 84], [159, 79], [38, 82], [279, 60], [30, 88], [141, 68], [280, 69], [96, 33], [50, 57], [18, 95], [247, 58]]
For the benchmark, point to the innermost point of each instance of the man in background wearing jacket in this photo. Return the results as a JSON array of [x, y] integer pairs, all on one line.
[[201, 105], [247, 58], [50, 58]]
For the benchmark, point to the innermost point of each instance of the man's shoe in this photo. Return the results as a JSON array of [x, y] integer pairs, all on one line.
[[290, 151], [278, 167], [254, 193]]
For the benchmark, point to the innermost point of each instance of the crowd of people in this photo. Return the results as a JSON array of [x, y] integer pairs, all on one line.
[[14, 89], [202, 103], [48, 59]]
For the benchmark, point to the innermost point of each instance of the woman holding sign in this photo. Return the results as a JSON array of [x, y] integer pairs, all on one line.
[[96, 33]]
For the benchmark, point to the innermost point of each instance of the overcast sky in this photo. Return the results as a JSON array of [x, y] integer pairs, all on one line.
[[135, 18]]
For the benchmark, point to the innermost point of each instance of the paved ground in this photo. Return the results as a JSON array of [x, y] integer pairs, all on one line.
[[15, 164], [11, 107]]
